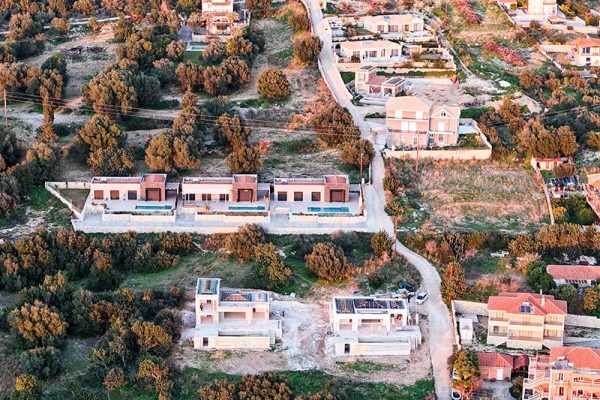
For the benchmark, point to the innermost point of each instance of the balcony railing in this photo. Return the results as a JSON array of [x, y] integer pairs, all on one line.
[[531, 383]]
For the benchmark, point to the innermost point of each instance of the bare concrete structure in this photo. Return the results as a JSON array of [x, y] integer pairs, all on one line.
[[233, 318], [370, 326]]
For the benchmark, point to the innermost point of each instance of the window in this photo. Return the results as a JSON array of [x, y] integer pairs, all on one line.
[[442, 126], [586, 50], [373, 54], [224, 197], [98, 194], [206, 197], [398, 113], [298, 196], [356, 54], [281, 196], [419, 115], [204, 342], [394, 52], [347, 348], [190, 196], [315, 196], [131, 195], [415, 140], [114, 195]]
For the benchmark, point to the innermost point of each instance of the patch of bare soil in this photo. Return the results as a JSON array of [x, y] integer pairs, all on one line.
[[481, 196]]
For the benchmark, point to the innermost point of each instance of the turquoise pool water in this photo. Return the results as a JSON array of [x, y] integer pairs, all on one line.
[[153, 207], [246, 208], [329, 210]]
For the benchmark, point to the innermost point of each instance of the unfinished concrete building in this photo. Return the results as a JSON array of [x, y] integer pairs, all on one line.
[[369, 326], [233, 318]]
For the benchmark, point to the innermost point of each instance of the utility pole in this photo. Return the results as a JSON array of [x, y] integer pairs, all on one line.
[[5, 110], [417, 160]]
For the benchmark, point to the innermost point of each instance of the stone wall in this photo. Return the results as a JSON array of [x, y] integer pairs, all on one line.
[[470, 307], [583, 321]]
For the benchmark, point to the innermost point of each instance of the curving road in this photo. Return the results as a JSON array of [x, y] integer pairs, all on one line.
[[440, 325]]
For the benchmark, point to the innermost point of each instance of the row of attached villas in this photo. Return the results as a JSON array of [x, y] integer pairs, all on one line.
[[241, 198], [243, 319]]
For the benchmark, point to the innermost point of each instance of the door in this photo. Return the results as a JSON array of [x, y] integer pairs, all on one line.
[[153, 195], [338, 195], [131, 195], [245, 194], [499, 374]]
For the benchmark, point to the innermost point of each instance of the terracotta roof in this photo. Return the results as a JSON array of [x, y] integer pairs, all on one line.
[[512, 302], [593, 178], [496, 360], [520, 361], [586, 42], [580, 357], [574, 272], [154, 178]]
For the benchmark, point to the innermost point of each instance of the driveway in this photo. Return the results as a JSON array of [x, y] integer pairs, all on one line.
[[440, 326]]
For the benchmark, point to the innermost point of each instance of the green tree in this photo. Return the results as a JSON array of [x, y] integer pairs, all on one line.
[[158, 374], [328, 262], [270, 270], [167, 152], [242, 244], [454, 285], [27, 387], [464, 365], [357, 152], [234, 130], [273, 84], [591, 298], [100, 132], [42, 362], [36, 325], [306, 48], [245, 160], [111, 161], [152, 339], [381, 243], [538, 278], [114, 379], [335, 124]]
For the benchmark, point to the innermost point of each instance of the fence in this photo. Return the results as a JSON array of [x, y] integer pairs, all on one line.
[[54, 187]]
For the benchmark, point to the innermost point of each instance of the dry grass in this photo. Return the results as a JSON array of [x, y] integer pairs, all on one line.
[[481, 197]]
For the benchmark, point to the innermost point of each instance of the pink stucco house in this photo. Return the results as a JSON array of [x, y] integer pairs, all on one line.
[[413, 121]]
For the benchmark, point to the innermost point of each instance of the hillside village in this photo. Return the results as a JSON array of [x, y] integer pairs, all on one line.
[[300, 199]]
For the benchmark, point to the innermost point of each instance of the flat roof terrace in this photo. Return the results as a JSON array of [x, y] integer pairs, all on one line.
[[116, 179], [238, 295], [208, 180], [367, 305], [208, 286]]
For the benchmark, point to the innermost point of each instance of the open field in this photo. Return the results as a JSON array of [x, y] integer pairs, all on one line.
[[481, 197]]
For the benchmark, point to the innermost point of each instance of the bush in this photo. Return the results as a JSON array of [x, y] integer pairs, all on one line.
[[42, 362], [381, 243], [270, 270], [306, 48], [175, 243], [273, 84], [357, 152], [245, 160], [242, 244], [36, 325], [328, 262]]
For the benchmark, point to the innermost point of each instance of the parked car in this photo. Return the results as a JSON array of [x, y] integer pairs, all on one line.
[[421, 298], [402, 294], [406, 285]]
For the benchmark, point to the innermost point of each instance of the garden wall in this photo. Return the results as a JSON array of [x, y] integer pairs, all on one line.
[[54, 187], [583, 321]]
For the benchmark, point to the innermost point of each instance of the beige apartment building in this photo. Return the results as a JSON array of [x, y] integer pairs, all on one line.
[[585, 52], [328, 189], [371, 50], [399, 23], [368, 83], [233, 318], [526, 320], [413, 122], [370, 326], [567, 373]]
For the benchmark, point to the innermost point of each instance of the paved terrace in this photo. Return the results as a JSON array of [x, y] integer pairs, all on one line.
[[278, 221]]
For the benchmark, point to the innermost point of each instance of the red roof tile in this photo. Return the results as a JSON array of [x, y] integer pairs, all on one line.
[[586, 42], [496, 360], [574, 272], [511, 303], [580, 357]]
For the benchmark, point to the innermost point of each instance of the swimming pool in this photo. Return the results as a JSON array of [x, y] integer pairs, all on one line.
[[153, 207], [246, 208], [329, 210]]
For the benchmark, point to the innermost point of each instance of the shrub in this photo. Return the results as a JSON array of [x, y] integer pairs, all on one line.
[[381, 243], [328, 262], [273, 84], [507, 55], [270, 269], [36, 325], [175, 243], [356, 152], [242, 244], [42, 362], [306, 48], [245, 160]]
